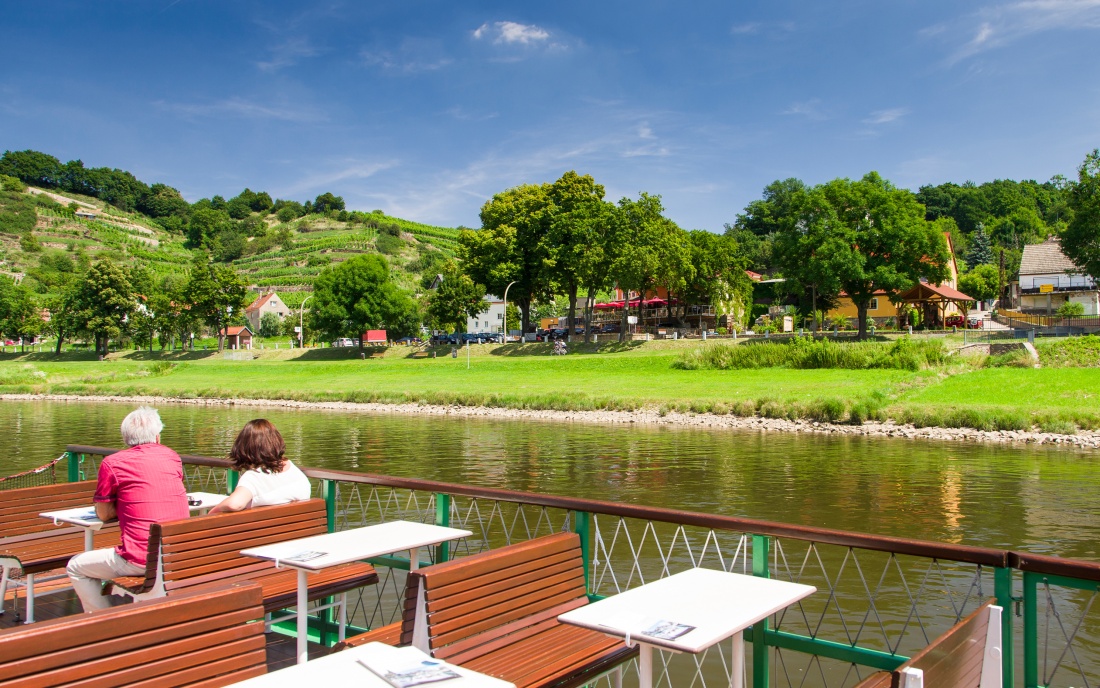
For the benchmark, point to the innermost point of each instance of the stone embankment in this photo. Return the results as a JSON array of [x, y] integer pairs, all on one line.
[[1086, 439]]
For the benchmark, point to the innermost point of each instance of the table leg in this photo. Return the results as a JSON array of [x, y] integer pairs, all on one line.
[[343, 616], [89, 539], [303, 604], [645, 665], [737, 661], [414, 558]]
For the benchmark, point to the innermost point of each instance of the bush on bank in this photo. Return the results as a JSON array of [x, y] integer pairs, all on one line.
[[806, 353]]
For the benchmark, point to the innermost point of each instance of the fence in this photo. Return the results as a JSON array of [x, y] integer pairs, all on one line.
[[1031, 321], [879, 598]]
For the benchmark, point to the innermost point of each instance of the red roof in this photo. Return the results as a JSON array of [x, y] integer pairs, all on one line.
[[941, 290], [754, 276], [258, 303], [234, 331]]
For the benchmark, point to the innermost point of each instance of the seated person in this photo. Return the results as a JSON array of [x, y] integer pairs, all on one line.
[[267, 476], [140, 486]]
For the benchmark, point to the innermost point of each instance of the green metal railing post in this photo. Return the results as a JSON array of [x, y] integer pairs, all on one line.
[[443, 518], [328, 492], [72, 461], [761, 669], [1031, 629], [232, 477], [582, 526], [1002, 589]]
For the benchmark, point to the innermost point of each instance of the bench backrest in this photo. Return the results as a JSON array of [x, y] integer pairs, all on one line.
[[968, 655], [467, 604], [213, 637], [201, 550], [19, 509]]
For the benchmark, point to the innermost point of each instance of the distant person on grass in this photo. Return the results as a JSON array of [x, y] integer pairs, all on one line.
[[140, 485], [267, 476]]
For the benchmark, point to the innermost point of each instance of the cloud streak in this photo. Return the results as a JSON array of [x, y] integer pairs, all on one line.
[[511, 33], [287, 54], [887, 116], [242, 108], [997, 26]]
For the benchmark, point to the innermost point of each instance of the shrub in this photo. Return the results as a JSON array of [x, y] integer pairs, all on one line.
[[12, 184], [1074, 352], [388, 244], [1071, 309], [805, 353], [29, 243]]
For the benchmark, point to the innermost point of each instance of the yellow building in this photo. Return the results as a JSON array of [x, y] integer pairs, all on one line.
[[883, 308]]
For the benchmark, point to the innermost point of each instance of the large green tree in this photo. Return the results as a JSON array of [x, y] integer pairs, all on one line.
[[646, 243], [1081, 240], [359, 295], [214, 293], [20, 314], [511, 247], [981, 282], [719, 278], [100, 304], [457, 298], [881, 241]]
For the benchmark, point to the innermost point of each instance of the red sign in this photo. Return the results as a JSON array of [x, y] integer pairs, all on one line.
[[374, 336]]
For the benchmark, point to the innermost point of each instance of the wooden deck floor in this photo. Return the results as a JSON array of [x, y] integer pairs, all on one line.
[[281, 649]]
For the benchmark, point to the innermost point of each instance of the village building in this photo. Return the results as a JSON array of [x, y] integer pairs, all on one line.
[[268, 303], [1049, 279], [491, 320], [237, 337]]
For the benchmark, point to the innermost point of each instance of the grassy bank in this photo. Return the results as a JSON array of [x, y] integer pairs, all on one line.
[[612, 376]]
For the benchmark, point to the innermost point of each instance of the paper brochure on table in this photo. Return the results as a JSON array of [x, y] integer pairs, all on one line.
[[309, 555], [403, 669], [667, 630]]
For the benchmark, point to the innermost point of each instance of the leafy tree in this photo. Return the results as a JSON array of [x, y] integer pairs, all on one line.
[[270, 325], [1071, 309], [238, 208], [643, 235], [327, 202], [12, 184], [100, 304], [880, 242], [164, 201], [981, 282], [214, 292], [207, 223], [575, 241], [981, 253], [20, 314], [720, 278], [511, 246], [457, 298], [32, 167], [1081, 240], [358, 295]]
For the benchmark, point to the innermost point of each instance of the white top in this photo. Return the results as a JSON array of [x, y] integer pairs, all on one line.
[[84, 516], [267, 489], [354, 545], [717, 603], [345, 668]]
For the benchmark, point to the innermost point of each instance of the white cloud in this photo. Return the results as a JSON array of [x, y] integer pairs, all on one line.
[[810, 109], [247, 109], [287, 54], [747, 27], [511, 33], [754, 28], [341, 171], [645, 131], [998, 25], [886, 116], [413, 55], [460, 113]]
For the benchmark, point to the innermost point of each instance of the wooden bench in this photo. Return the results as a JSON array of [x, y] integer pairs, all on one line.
[[34, 544], [968, 655], [376, 354], [420, 354], [213, 637], [496, 613], [195, 552]]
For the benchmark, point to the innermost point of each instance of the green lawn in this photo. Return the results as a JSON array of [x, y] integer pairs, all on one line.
[[623, 377]]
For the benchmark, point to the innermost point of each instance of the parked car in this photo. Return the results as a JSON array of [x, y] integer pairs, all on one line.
[[954, 321], [343, 342], [974, 322], [442, 339], [407, 341], [610, 328]]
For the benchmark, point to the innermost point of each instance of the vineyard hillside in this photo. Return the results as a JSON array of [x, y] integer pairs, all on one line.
[[70, 230]]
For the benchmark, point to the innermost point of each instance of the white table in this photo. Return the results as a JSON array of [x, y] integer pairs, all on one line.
[[720, 605], [345, 547], [344, 668], [84, 516]]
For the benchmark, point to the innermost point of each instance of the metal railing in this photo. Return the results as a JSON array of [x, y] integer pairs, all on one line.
[[879, 599], [1029, 321]]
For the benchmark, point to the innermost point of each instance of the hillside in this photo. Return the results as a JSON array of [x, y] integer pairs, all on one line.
[[288, 258]]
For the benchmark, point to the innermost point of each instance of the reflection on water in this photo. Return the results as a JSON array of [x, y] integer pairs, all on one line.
[[1037, 499]]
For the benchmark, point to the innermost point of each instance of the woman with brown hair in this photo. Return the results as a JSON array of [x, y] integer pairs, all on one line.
[[267, 476]]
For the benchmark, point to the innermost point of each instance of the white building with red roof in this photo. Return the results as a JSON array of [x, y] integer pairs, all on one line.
[[268, 303]]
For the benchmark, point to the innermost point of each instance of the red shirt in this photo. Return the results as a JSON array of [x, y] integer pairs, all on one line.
[[146, 485]]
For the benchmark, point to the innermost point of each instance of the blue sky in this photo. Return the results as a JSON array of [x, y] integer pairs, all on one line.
[[425, 109]]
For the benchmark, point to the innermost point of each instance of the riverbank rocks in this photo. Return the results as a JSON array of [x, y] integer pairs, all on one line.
[[1086, 439]]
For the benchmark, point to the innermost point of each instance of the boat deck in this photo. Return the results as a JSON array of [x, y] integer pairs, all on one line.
[[281, 649]]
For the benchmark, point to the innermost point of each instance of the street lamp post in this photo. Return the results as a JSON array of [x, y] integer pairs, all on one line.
[[506, 311], [301, 321]]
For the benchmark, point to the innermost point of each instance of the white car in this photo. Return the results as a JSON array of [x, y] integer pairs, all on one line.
[[343, 342]]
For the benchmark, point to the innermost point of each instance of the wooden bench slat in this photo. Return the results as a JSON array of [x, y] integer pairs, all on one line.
[[485, 619], [239, 517], [472, 585], [879, 679], [463, 568], [506, 634], [531, 585]]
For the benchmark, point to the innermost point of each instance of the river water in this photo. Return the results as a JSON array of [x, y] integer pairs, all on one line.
[[1038, 499], [1026, 498]]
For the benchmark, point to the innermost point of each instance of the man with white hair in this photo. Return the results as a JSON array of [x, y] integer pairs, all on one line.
[[140, 485]]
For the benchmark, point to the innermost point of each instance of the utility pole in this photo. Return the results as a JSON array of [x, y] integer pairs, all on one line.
[[301, 321]]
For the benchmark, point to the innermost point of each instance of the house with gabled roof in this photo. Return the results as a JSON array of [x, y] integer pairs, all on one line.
[[268, 303], [1049, 279]]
